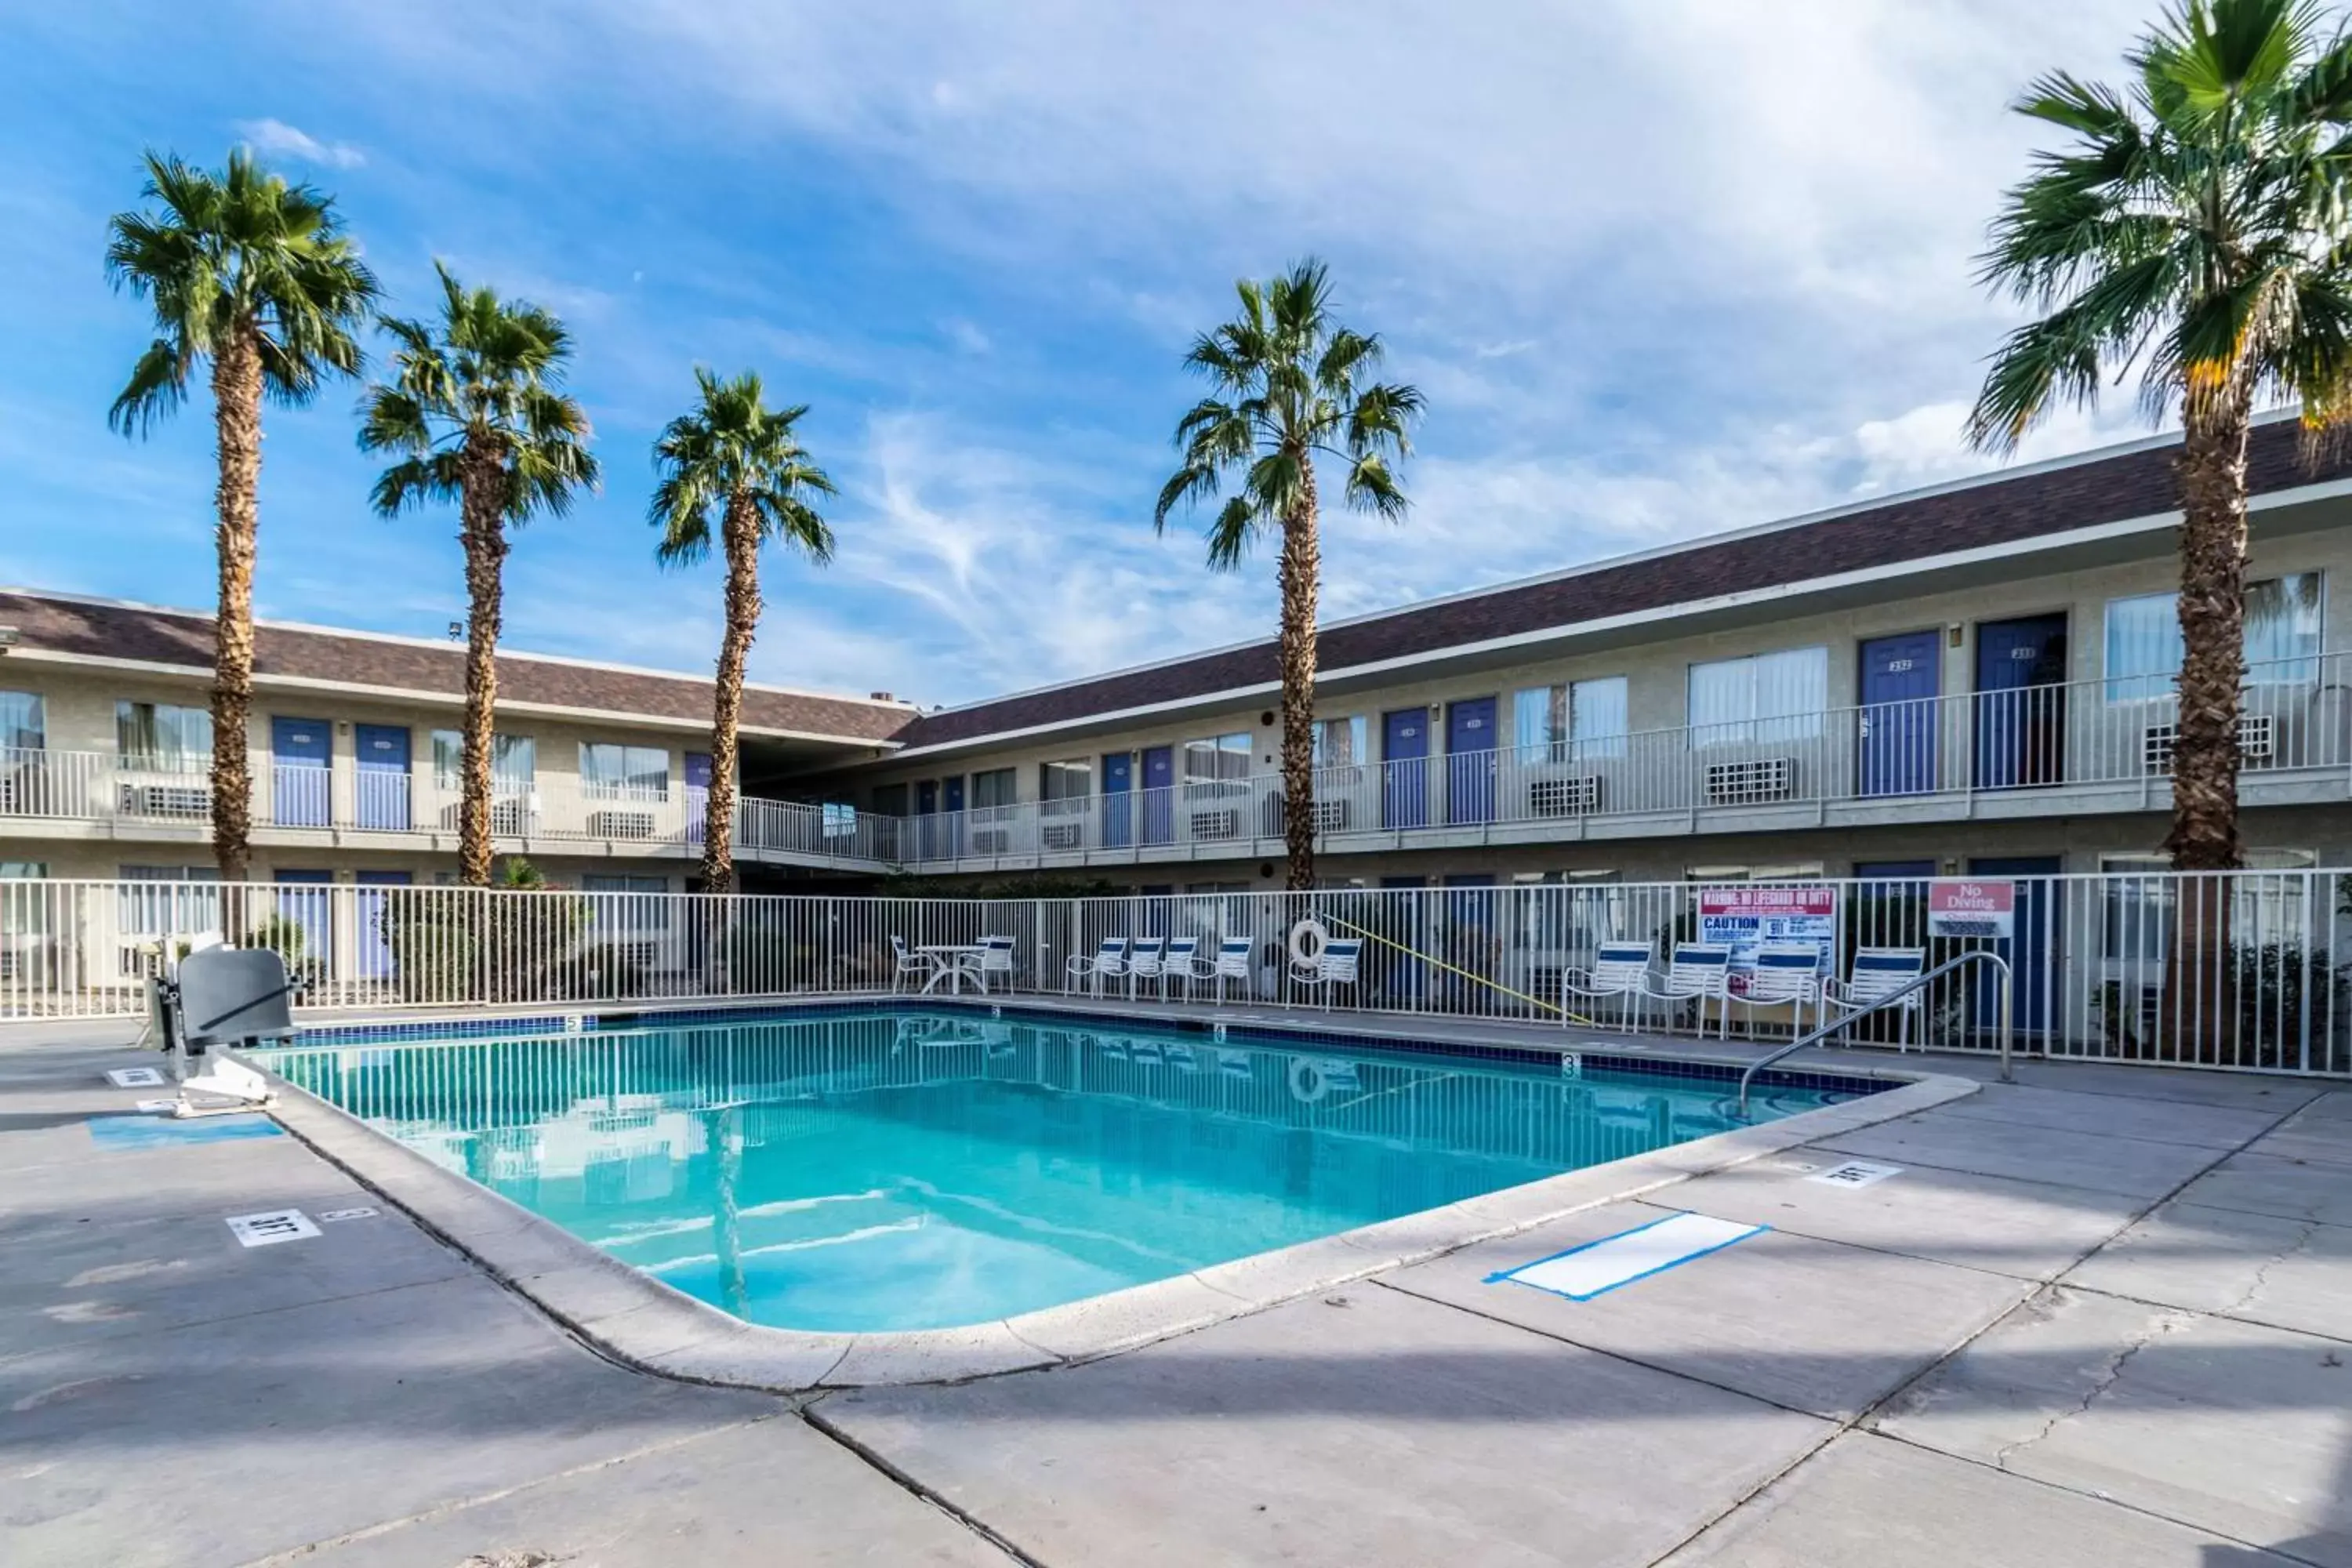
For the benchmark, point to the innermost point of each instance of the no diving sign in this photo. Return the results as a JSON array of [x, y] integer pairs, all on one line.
[[1966, 907]]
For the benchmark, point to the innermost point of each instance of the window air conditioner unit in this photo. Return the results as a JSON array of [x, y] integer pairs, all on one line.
[[1063, 836], [1564, 797], [2257, 742], [992, 840], [1752, 782], [1215, 827], [192, 802], [511, 817], [1330, 816], [618, 824]]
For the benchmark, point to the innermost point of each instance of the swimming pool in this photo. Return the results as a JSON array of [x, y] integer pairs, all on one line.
[[904, 1168]]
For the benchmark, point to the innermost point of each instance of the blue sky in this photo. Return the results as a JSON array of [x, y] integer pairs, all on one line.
[[1660, 269]]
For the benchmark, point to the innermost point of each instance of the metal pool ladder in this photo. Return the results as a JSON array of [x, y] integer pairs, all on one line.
[[1822, 1032]]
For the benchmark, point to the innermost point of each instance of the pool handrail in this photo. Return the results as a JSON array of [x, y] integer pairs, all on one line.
[[1822, 1032]]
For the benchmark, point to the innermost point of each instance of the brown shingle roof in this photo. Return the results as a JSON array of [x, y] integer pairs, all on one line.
[[2127, 484], [184, 638]]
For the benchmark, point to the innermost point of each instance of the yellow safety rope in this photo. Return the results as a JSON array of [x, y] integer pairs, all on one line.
[[1456, 969]]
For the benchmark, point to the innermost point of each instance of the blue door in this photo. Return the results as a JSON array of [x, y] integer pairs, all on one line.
[[298, 752], [1404, 768], [697, 795], [304, 933], [1890, 905], [1470, 761], [1901, 678], [2021, 703], [930, 839], [1159, 794], [2030, 951], [1117, 803], [374, 944], [952, 805], [383, 751]]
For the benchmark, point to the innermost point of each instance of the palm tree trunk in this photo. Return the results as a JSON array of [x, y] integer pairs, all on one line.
[[483, 506], [741, 535], [2199, 1009], [1302, 568], [2212, 609], [236, 418]]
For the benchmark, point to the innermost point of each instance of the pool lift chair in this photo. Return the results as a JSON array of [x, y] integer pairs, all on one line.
[[219, 997]]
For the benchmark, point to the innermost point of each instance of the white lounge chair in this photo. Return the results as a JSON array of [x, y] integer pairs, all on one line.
[[1143, 963], [1335, 965], [1233, 962], [995, 957], [1699, 971], [1786, 974], [1619, 970], [1878, 974], [906, 961], [1109, 962], [1183, 962]]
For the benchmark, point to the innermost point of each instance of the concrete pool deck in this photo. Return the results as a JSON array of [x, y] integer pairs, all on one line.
[[2104, 1315]]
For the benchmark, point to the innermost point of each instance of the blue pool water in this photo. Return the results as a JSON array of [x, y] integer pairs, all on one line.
[[926, 1169]]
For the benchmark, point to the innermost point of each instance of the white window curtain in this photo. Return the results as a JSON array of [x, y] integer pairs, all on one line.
[[1339, 743], [995, 789], [161, 738], [2283, 618], [1072, 780], [514, 763], [1767, 698], [1560, 723], [1597, 717], [638, 772], [21, 727]]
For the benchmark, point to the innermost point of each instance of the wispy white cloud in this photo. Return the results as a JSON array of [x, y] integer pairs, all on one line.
[[275, 136]]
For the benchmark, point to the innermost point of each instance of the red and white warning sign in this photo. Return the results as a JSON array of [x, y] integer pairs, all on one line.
[[1967, 906]]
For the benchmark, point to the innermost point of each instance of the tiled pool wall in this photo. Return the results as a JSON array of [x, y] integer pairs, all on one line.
[[1277, 1036]]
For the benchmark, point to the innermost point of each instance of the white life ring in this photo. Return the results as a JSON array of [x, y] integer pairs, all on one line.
[[1307, 940], [1307, 1081]]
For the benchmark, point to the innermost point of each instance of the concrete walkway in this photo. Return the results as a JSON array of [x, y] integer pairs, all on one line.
[[2103, 1316]]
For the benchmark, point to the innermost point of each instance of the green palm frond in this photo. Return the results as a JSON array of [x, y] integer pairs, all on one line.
[[238, 251], [733, 445], [487, 379], [2197, 231], [1288, 382]]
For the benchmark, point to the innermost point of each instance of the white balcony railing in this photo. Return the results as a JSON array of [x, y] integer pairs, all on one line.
[[96, 787], [2101, 743], [2112, 739]]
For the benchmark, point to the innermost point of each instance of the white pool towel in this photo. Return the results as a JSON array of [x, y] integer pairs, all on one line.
[[1583, 1272]]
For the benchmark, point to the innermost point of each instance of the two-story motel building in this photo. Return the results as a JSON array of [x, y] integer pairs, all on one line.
[[1972, 678]]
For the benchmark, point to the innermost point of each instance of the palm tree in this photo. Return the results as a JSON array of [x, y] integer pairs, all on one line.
[[2196, 229], [475, 406], [1288, 381], [258, 276], [736, 458]]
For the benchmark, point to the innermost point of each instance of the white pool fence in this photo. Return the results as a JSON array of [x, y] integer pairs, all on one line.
[[2247, 970]]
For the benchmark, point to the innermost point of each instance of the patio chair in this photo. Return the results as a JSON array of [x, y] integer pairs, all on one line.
[[906, 961], [1144, 962], [1698, 971], [1108, 963], [1232, 962], [1183, 962], [1786, 974], [1619, 969], [995, 957], [1335, 965], [1878, 974]]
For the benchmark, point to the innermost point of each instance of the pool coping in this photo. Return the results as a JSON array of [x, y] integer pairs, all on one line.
[[637, 1320]]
